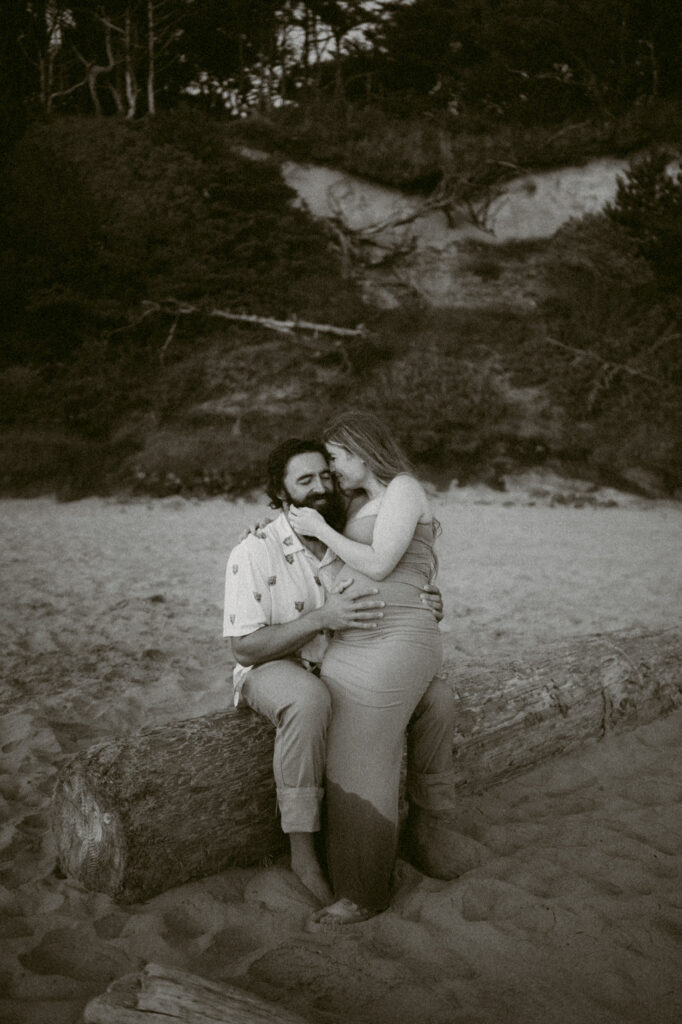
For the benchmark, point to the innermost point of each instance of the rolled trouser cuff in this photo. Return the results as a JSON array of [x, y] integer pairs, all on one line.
[[299, 808], [434, 791]]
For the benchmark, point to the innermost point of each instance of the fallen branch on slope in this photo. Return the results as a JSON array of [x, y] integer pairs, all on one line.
[[175, 308]]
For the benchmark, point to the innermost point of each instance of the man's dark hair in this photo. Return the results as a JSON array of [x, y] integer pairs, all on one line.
[[278, 460]]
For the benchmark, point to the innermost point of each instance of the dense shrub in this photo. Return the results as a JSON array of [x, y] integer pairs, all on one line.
[[609, 351], [441, 406], [21, 391], [648, 205], [33, 461], [98, 216], [605, 309], [398, 143]]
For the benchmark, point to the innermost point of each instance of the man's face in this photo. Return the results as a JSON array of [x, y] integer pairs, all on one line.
[[308, 481]]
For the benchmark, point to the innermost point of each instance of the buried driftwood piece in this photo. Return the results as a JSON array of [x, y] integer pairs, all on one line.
[[164, 995], [140, 815]]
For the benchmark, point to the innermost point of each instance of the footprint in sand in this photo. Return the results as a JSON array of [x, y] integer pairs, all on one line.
[[191, 917], [110, 926], [75, 953], [278, 889], [346, 978]]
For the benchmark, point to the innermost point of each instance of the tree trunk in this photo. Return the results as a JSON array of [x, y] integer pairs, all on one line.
[[46, 74], [129, 43], [151, 60], [140, 815], [93, 72], [164, 994], [116, 97]]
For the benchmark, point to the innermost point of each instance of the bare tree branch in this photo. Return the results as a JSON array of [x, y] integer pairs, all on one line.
[[610, 367], [169, 339], [670, 335], [67, 92], [108, 24]]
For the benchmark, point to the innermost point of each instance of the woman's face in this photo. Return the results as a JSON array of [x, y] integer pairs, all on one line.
[[350, 471]]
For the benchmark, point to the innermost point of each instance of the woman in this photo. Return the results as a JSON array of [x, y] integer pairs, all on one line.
[[376, 678]]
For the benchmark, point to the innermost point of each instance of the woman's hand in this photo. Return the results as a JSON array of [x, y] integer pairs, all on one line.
[[306, 521], [257, 529]]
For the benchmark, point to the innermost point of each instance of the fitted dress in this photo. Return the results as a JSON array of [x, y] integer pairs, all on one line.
[[376, 679]]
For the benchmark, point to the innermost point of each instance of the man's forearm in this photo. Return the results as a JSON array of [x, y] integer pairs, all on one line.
[[272, 642]]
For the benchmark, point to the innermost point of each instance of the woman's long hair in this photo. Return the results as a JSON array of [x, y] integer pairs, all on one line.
[[364, 434]]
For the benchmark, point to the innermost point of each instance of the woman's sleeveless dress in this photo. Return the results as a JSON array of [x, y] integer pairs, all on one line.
[[376, 679]]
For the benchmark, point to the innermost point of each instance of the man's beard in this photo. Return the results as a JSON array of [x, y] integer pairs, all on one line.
[[329, 504]]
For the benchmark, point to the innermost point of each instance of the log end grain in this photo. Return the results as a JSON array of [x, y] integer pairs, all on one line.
[[169, 804], [90, 838]]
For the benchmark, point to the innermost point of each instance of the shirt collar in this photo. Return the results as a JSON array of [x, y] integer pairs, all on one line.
[[289, 540]]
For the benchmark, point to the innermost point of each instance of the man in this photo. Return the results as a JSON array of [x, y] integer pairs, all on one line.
[[281, 604]]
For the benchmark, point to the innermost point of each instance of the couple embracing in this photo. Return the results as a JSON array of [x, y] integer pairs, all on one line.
[[334, 624]]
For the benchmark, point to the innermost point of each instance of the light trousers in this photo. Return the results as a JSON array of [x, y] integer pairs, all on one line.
[[298, 704]]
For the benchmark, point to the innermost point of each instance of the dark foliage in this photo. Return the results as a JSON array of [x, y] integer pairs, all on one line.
[[648, 205], [120, 238], [99, 217]]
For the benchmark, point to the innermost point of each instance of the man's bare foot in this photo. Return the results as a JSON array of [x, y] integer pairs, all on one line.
[[306, 867], [339, 914]]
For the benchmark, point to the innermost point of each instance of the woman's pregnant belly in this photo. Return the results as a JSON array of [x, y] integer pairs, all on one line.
[[404, 619], [402, 604], [388, 665]]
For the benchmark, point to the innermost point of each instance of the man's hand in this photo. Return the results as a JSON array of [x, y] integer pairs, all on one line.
[[431, 596], [356, 611]]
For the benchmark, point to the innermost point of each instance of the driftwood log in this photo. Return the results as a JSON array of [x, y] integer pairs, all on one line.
[[180, 801], [137, 816], [162, 995], [516, 713]]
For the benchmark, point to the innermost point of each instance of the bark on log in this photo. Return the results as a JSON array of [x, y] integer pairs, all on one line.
[[145, 813], [180, 801], [513, 714], [161, 995]]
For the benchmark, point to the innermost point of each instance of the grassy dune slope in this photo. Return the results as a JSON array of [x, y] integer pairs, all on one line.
[[119, 241]]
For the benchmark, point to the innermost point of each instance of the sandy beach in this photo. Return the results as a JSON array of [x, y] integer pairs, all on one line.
[[111, 621]]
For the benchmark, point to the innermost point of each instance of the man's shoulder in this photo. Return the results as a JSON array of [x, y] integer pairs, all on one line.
[[259, 541]]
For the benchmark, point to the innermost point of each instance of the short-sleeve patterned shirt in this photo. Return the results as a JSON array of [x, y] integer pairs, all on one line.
[[272, 578]]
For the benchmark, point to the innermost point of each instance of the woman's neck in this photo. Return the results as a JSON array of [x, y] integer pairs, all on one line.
[[373, 488]]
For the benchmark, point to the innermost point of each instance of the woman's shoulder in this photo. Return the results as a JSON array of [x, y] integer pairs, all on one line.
[[406, 489], [405, 484]]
